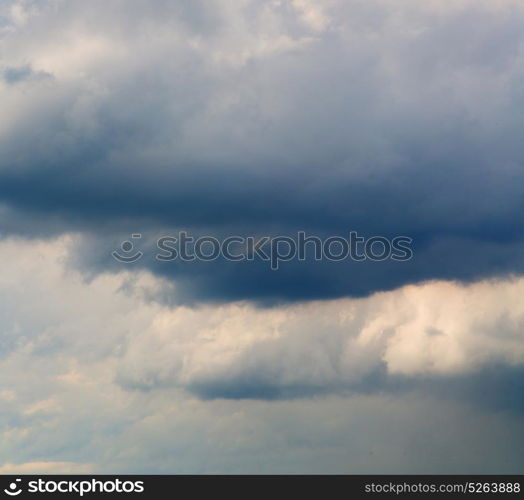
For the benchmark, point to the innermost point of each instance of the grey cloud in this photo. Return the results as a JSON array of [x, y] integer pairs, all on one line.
[[261, 117], [14, 75], [235, 119]]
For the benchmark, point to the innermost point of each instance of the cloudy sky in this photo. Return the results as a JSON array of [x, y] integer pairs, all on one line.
[[261, 117]]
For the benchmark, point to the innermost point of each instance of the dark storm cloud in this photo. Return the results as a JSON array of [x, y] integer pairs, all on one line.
[[499, 388], [261, 120], [261, 386]]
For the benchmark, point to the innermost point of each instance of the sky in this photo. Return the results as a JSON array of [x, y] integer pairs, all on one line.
[[252, 118]]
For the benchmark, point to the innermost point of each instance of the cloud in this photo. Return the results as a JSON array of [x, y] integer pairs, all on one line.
[[261, 118], [120, 382], [271, 117], [237, 350], [46, 468], [20, 74]]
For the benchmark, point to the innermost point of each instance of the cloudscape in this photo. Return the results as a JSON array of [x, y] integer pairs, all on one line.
[[350, 177]]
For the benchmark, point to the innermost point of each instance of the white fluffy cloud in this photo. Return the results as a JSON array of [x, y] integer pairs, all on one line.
[[438, 328]]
